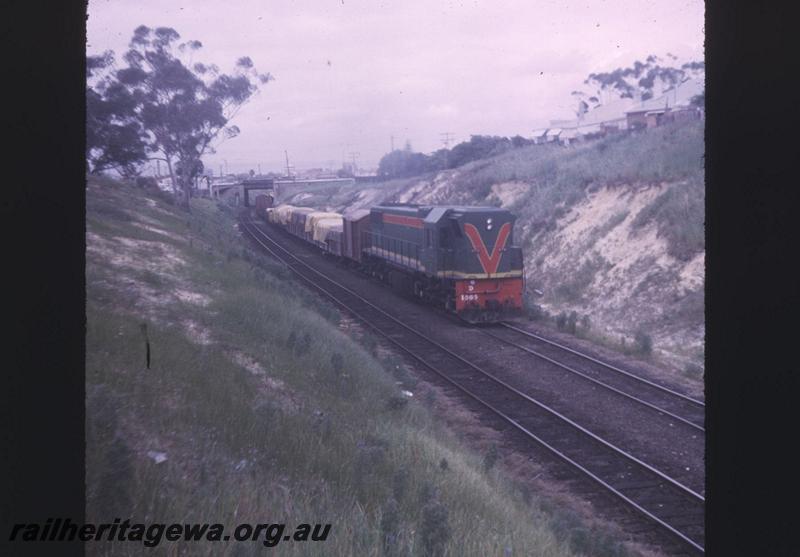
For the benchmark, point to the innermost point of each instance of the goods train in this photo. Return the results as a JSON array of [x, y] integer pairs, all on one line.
[[460, 258]]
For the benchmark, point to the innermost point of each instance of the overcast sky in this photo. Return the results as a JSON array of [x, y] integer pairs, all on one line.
[[352, 73]]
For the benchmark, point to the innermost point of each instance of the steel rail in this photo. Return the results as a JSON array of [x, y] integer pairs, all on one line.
[[598, 382], [674, 483], [605, 364]]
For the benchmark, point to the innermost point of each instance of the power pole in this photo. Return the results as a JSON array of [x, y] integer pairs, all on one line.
[[391, 140], [259, 169], [288, 172], [353, 158], [447, 137]]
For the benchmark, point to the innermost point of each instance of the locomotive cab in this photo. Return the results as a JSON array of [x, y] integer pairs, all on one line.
[[460, 257], [479, 262]]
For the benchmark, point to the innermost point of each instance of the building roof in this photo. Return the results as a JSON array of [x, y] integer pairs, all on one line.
[[679, 96], [356, 214], [614, 110], [590, 122]]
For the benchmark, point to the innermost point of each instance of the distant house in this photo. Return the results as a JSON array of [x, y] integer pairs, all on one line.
[[539, 135], [674, 105], [684, 114], [597, 122], [552, 135], [568, 136]]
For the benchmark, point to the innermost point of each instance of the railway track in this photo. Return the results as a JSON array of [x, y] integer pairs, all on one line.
[[658, 498], [679, 407]]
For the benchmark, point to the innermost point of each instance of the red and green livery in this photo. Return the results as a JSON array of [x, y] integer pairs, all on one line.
[[461, 258]]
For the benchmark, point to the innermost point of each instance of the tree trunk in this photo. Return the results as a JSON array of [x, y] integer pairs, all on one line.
[[186, 194], [185, 185], [172, 176]]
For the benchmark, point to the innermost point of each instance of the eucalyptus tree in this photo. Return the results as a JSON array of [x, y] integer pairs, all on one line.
[[184, 108], [115, 140], [642, 80]]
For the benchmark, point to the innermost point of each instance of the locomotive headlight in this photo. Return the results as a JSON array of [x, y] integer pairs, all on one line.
[[488, 224]]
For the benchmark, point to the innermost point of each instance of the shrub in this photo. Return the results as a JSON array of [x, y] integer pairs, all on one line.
[[535, 312], [434, 529], [390, 527], [694, 371], [615, 220], [573, 287], [400, 484], [426, 494], [679, 213], [643, 343], [490, 458], [110, 460], [571, 322], [586, 541]]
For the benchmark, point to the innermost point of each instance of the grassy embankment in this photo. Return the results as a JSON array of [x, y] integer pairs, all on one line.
[[562, 177], [265, 409]]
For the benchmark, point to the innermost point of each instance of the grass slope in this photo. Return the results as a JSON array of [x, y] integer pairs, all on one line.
[[266, 410]]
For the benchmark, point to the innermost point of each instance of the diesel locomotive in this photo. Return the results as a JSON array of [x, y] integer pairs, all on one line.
[[460, 258]]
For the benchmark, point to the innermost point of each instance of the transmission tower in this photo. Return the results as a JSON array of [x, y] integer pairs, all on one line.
[[447, 137], [353, 157]]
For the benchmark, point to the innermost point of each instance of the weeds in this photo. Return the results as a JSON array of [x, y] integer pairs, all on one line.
[[694, 371], [390, 528], [571, 289], [643, 343], [434, 529], [490, 458], [535, 312], [615, 220], [679, 214]]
